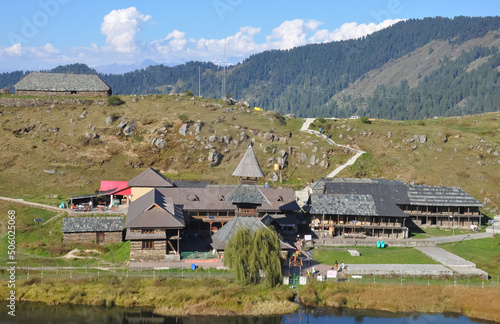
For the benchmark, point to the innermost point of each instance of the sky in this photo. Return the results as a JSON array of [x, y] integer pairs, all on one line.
[[42, 34]]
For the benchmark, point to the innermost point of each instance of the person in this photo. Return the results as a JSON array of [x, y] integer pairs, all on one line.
[[342, 266], [267, 184], [336, 265], [90, 205]]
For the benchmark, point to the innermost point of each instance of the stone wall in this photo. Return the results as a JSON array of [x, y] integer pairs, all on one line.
[[137, 254], [63, 93], [79, 237], [109, 237], [37, 102]]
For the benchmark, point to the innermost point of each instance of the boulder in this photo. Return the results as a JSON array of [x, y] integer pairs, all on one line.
[[160, 143], [123, 123], [312, 160], [422, 139], [273, 177], [134, 99], [197, 127], [198, 138], [212, 138], [84, 114], [303, 157], [109, 120], [183, 129], [227, 139], [243, 136], [128, 130], [283, 154], [49, 171], [214, 158], [389, 134], [268, 136]]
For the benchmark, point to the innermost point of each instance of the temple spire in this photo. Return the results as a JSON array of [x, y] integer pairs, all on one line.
[[249, 169]]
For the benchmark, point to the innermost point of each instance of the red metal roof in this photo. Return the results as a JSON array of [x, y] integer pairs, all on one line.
[[122, 187]]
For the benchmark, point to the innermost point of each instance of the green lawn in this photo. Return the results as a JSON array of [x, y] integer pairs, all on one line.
[[485, 253], [371, 255], [436, 232]]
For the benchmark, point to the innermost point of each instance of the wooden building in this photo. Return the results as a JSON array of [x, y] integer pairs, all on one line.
[[386, 208], [59, 84], [153, 226], [101, 230]]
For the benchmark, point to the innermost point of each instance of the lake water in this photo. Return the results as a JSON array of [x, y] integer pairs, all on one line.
[[28, 312]]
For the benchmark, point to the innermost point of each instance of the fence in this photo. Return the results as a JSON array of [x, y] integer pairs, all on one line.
[[199, 255], [43, 272]]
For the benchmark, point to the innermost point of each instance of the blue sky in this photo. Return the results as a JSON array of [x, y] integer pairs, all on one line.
[[45, 33]]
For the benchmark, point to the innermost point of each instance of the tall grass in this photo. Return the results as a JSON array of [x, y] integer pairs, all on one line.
[[473, 302]]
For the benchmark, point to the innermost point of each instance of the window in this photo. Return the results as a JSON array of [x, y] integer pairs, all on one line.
[[73, 92], [148, 245], [148, 231], [280, 199], [221, 198]]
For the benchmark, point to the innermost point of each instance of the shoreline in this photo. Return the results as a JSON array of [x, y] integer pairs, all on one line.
[[221, 297]]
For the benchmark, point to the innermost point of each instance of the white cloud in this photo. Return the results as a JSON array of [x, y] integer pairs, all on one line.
[[16, 49], [122, 46], [291, 33], [350, 31], [120, 27]]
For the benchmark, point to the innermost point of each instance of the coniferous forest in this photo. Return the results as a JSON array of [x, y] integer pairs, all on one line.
[[305, 79]]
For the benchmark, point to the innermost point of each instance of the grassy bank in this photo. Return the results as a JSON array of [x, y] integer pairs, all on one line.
[[168, 296], [473, 302]]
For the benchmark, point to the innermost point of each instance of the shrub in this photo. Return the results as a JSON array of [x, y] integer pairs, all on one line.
[[322, 120], [189, 93], [365, 120], [115, 101], [184, 118]]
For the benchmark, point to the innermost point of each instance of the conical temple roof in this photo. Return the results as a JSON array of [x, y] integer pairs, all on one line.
[[249, 166]]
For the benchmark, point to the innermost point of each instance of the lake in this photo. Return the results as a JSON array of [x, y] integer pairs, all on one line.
[[31, 312]]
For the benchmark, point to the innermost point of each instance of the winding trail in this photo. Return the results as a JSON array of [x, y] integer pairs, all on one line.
[[302, 196], [351, 161]]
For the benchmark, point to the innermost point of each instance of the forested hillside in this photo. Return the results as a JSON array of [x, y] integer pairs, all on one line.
[[310, 80]]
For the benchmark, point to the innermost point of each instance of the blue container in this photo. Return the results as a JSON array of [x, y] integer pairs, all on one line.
[[193, 266], [382, 244], [378, 244]]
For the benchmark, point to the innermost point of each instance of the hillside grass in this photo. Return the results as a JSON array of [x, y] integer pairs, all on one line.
[[81, 164], [51, 248], [370, 255]]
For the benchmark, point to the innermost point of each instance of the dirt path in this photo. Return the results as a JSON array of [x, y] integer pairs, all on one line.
[[351, 161]]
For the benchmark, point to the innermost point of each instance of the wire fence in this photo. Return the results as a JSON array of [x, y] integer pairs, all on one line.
[[44, 272], [454, 280]]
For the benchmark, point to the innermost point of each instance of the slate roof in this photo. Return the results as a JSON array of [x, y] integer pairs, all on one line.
[[154, 210], [151, 178], [222, 237], [249, 194], [249, 166], [356, 205], [440, 196], [92, 224], [215, 198], [393, 190], [40, 81]]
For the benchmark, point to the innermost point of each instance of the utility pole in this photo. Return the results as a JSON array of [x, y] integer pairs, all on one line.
[[199, 81], [411, 105]]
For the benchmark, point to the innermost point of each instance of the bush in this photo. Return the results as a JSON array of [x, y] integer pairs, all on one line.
[[189, 93], [115, 101], [184, 118], [322, 120], [365, 120]]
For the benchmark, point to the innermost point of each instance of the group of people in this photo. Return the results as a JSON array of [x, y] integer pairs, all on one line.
[[474, 227], [336, 266]]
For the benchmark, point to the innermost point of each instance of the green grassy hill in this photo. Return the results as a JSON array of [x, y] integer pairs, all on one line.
[[458, 151]]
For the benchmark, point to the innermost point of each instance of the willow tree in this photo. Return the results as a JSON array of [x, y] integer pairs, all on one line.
[[255, 257]]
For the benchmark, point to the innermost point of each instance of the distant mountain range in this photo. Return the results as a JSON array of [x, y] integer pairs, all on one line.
[[413, 69]]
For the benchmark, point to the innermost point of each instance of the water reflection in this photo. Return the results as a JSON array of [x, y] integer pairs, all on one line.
[[28, 312]]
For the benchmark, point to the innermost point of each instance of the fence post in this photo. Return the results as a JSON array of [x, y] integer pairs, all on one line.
[[42, 271], [86, 267], [28, 271], [70, 273], [154, 273], [373, 278], [127, 272]]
